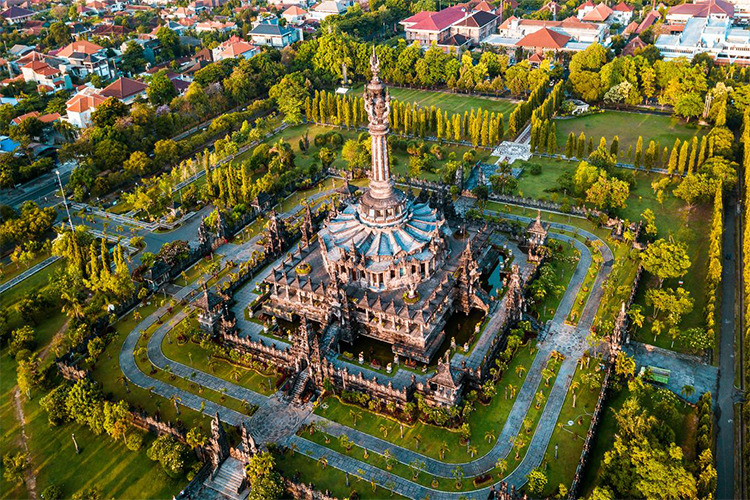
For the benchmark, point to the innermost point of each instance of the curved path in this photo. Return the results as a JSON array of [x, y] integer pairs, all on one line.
[[278, 421]]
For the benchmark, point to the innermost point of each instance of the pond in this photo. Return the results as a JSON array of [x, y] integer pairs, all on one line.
[[493, 281]]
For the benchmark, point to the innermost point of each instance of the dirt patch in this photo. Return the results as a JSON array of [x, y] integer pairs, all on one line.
[[691, 432], [23, 441]]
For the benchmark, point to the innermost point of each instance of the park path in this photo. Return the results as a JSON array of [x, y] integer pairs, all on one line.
[[279, 420]]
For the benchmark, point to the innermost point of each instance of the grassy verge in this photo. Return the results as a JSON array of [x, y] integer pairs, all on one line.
[[585, 290], [428, 439], [194, 356], [565, 445], [307, 470]]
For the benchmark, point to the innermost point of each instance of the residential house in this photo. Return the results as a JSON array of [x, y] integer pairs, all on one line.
[[570, 34], [476, 26], [713, 9], [49, 78], [274, 35], [16, 15], [622, 13], [124, 89], [427, 27], [633, 45], [585, 8], [598, 14], [82, 105], [294, 15], [215, 26], [83, 58], [328, 8], [234, 47]]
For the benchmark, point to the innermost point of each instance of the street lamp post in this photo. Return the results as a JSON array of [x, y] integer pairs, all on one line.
[[65, 200]]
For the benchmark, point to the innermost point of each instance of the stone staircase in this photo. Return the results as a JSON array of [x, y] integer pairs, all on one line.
[[299, 385], [227, 481]]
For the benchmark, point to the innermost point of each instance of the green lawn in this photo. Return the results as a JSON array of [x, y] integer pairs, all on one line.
[[331, 479], [452, 103], [30, 285], [565, 261], [193, 355], [627, 126], [196, 270], [11, 270], [569, 437], [587, 286], [485, 418], [107, 372]]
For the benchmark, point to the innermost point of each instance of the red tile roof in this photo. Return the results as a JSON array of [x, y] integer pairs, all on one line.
[[80, 46], [704, 9], [439, 21], [599, 14], [545, 38], [622, 7], [122, 88]]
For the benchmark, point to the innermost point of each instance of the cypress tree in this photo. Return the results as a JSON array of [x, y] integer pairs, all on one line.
[[603, 144], [500, 128], [651, 155], [439, 125], [308, 109], [693, 156], [664, 157], [591, 145], [702, 154], [674, 157], [552, 139], [581, 145], [683, 158], [485, 129], [638, 152], [570, 145], [614, 148]]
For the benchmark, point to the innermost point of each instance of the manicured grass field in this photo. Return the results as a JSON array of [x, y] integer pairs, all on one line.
[[330, 479], [627, 126], [193, 355], [30, 285], [452, 103], [399, 159], [485, 418], [563, 267], [569, 438]]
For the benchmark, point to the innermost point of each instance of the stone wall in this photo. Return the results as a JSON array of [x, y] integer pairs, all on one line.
[[268, 353], [305, 491], [152, 424]]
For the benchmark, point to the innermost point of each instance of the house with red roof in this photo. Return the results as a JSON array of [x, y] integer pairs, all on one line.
[[39, 71], [82, 105], [633, 45], [124, 89], [598, 14], [544, 40], [648, 21], [234, 47], [622, 13], [427, 27], [83, 58], [294, 15], [710, 9], [585, 8]]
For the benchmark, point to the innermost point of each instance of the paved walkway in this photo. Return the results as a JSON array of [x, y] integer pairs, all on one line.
[[27, 273], [277, 420]]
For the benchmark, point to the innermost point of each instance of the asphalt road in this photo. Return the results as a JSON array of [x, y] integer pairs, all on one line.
[[726, 452]]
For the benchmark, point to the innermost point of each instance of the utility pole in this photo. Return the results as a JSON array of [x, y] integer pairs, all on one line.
[[65, 202]]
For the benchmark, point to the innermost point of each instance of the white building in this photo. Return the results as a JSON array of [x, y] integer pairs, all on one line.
[[716, 37], [328, 8], [82, 105]]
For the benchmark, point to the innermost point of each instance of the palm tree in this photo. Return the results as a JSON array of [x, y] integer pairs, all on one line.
[[539, 399], [443, 448], [520, 371], [141, 353], [574, 389], [512, 390], [293, 448], [175, 399], [72, 306], [518, 444], [323, 462], [388, 457], [355, 415], [417, 440], [471, 450], [384, 430], [236, 374], [687, 390], [547, 374], [502, 465], [489, 436]]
